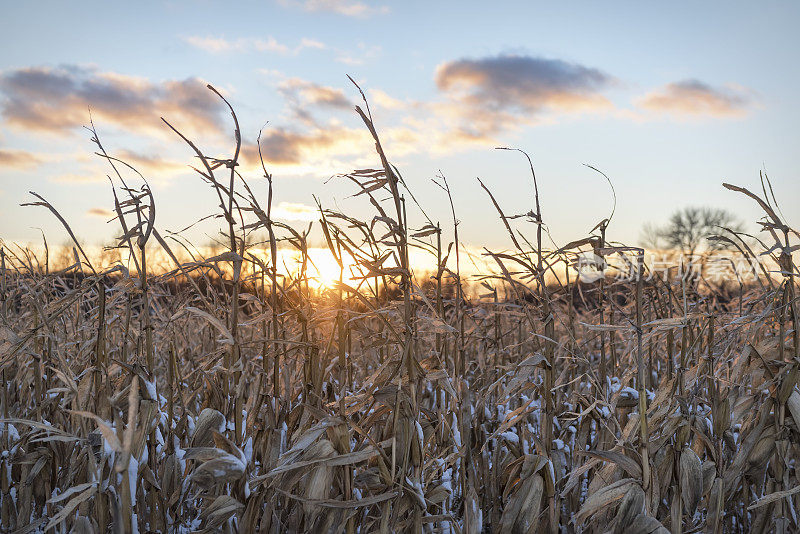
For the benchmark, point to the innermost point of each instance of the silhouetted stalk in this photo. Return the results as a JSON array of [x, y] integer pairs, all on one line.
[[602, 306], [237, 256], [100, 372], [644, 433]]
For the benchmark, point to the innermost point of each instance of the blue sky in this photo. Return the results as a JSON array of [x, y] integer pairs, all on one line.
[[668, 99]]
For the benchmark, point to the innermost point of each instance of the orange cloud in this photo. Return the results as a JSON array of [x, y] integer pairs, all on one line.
[[286, 147], [99, 212], [487, 97], [300, 95], [311, 93], [151, 165], [494, 93], [385, 100], [19, 159], [58, 100], [693, 97]]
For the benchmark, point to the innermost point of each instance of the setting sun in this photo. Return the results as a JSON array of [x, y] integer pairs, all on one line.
[[324, 270]]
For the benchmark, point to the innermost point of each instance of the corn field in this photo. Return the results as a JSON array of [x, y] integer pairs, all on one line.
[[225, 394]]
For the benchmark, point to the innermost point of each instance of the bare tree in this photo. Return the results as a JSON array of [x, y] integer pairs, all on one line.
[[650, 236], [688, 229]]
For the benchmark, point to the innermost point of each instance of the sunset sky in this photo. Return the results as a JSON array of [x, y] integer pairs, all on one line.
[[669, 99]]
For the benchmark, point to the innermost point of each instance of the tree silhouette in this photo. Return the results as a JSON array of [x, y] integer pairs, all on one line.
[[688, 229]]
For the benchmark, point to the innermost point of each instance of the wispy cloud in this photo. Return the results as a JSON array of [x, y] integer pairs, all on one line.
[[218, 45], [151, 165], [297, 90], [385, 100], [693, 97], [300, 95], [58, 99], [86, 169], [19, 159], [312, 146], [361, 55], [349, 8], [99, 212]]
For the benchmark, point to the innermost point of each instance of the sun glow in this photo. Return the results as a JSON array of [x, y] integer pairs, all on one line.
[[324, 271]]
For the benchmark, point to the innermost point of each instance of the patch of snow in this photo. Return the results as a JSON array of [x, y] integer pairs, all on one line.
[[151, 389], [133, 476], [510, 436], [248, 449], [456, 433]]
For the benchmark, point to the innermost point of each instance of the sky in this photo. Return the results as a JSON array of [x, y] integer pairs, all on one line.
[[668, 99]]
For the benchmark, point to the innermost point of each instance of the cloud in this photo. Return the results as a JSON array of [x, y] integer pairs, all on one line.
[[19, 159], [495, 93], [219, 45], [479, 100], [286, 147], [150, 165], [693, 97], [362, 55], [99, 212], [348, 8], [321, 148], [88, 169], [296, 90], [58, 99], [302, 94], [522, 82], [385, 100], [290, 211]]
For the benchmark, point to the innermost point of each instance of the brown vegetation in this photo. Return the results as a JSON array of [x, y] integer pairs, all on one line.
[[226, 396]]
